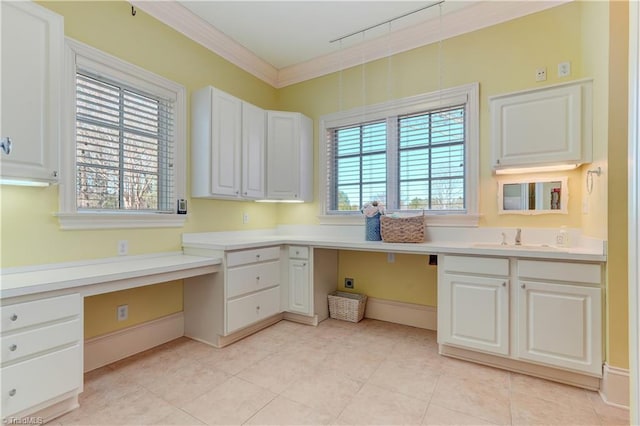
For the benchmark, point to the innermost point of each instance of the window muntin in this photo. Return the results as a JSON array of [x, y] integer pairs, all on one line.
[[123, 147]]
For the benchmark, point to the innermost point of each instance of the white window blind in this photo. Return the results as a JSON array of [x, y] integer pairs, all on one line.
[[124, 147], [431, 160]]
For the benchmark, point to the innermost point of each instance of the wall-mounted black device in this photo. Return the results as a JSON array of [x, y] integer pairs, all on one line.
[[182, 206]]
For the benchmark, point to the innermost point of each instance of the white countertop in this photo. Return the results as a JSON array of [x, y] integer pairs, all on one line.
[[112, 273], [348, 240]]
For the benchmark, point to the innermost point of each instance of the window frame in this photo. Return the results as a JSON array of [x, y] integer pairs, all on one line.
[[79, 55], [467, 95]]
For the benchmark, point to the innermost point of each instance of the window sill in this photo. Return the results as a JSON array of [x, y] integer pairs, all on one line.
[[452, 220], [75, 221]]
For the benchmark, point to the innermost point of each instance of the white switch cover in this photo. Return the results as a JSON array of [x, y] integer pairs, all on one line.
[[123, 247], [564, 69]]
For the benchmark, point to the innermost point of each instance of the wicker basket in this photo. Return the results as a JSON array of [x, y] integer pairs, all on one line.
[[402, 229], [347, 306]]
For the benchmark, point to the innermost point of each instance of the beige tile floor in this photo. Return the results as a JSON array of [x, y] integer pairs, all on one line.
[[337, 373]]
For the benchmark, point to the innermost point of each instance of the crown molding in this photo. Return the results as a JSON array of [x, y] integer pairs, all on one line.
[[186, 22], [480, 15]]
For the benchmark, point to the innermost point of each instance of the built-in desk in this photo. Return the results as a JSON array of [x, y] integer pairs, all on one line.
[[42, 344]]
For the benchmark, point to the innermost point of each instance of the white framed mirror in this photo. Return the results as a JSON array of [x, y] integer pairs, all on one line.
[[533, 196]]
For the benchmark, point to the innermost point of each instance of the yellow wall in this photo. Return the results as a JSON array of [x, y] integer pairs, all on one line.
[[409, 278], [501, 58], [144, 303], [617, 265]]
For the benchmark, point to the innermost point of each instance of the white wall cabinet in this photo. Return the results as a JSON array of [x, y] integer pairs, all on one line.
[[32, 46], [300, 291], [542, 127], [289, 156], [552, 316], [228, 146], [41, 338]]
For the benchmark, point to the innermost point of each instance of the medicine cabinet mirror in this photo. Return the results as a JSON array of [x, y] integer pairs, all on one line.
[[533, 196]]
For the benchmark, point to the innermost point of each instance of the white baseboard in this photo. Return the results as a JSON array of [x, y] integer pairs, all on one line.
[[402, 313], [102, 350], [615, 386]]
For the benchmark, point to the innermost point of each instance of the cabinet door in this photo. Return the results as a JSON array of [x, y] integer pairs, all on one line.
[[541, 127], [473, 312], [299, 291], [560, 325], [32, 45], [226, 128], [283, 146], [254, 134]]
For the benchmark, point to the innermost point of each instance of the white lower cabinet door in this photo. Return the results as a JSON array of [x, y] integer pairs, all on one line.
[[37, 380], [560, 325], [246, 310], [299, 291], [474, 313]]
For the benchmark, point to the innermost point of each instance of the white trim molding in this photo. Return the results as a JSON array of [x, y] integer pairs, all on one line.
[[103, 350], [614, 389], [411, 314], [480, 15]]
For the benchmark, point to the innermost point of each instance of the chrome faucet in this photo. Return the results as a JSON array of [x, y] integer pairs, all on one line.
[[518, 237]]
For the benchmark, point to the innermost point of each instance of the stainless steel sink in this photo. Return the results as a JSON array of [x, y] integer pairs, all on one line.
[[538, 247]]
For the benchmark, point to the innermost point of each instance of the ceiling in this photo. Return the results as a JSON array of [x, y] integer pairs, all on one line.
[[285, 42]]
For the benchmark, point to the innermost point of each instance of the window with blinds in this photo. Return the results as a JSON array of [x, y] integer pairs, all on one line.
[[408, 162], [124, 147]]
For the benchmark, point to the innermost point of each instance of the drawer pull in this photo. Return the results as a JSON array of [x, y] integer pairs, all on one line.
[[504, 284], [522, 286], [13, 317], [257, 256], [13, 347], [258, 278], [12, 392], [297, 252]]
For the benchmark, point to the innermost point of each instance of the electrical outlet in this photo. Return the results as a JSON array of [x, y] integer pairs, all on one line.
[[391, 257], [123, 247], [123, 312], [564, 69], [349, 283], [541, 74], [245, 218]]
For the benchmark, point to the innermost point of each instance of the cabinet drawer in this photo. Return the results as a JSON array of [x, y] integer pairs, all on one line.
[[250, 278], [19, 345], [476, 265], [40, 311], [37, 380], [588, 273], [252, 308], [243, 257], [298, 252]]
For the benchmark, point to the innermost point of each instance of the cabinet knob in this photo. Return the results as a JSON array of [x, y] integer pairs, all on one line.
[[257, 256], [304, 264], [258, 278], [12, 392], [297, 252], [13, 347], [504, 283], [5, 145], [13, 317], [522, 286], [54, 173]]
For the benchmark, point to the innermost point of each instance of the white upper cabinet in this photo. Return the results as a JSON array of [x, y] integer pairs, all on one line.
[[254, 130], [227, 147], [32, 46], [550, 126], [289, 156]]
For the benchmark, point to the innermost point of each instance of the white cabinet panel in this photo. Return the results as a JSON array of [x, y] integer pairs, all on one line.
[[560, 325], [289, 156], [244, 257], [475, 312], [31, 382], [299, 287], [254, 131], [20, 315], [541, 127], [250, 278], [32, 46], [247, 310]]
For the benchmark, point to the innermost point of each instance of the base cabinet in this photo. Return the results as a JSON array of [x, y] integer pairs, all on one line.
[[41, 354], [551, 317], [300, 292]]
